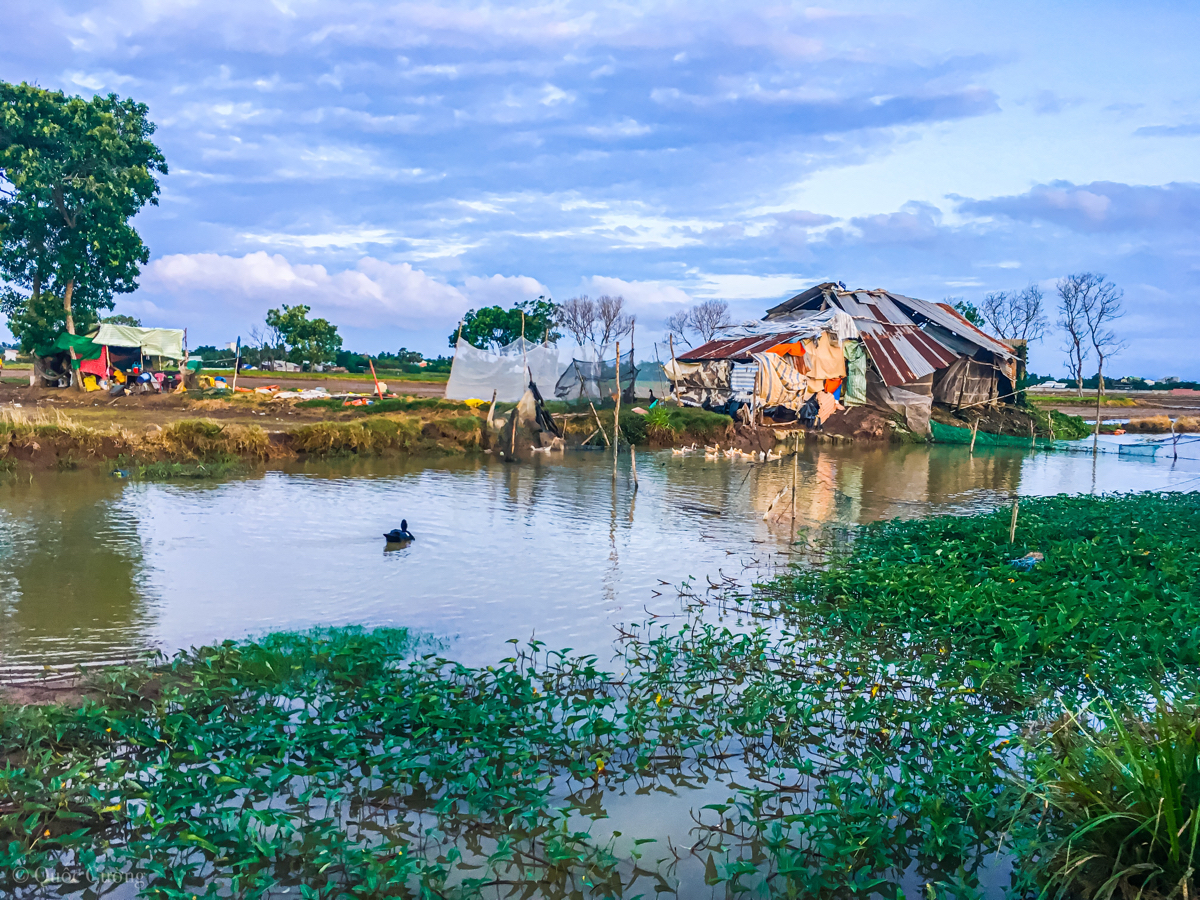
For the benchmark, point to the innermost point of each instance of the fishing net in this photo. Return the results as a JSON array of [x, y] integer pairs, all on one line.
[[595, 379], [476, 373], [949, 434]]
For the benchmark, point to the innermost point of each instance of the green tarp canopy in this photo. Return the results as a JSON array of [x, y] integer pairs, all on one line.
[[166, 342], [85, 347]]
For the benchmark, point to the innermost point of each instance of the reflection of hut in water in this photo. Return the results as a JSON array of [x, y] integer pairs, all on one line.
[[829, 347]]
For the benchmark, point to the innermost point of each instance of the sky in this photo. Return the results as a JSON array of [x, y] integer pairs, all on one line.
[[393, 165]]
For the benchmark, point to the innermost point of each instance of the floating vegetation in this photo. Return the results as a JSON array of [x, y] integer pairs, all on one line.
[[911, 715]]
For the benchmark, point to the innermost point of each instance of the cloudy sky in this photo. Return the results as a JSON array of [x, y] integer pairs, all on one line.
[[394, 164]]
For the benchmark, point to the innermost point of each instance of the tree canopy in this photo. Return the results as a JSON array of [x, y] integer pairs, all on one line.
[[307, 340], [494, 326], [73, 173]]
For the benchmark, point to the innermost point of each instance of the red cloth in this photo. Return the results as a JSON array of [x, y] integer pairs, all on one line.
[[97, 367]]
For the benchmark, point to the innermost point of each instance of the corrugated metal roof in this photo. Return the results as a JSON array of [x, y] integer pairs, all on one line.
[[949, 318], [905, 353], [737, 348]]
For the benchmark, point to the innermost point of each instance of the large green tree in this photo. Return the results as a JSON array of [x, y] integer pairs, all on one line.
[[307, 340], [73, 174], [494, 326]]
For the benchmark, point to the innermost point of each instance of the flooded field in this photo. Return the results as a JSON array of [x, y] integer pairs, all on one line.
[[96, 569]]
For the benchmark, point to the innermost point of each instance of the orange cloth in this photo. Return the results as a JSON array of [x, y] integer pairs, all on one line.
[[796, 349], [831, 384]]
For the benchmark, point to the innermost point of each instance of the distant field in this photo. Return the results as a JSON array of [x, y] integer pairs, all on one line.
[[431, 377]]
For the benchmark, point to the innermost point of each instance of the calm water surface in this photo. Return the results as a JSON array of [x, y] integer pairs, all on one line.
[[95, 569]]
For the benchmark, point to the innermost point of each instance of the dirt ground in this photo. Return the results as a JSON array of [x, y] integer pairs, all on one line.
[[143, 410]]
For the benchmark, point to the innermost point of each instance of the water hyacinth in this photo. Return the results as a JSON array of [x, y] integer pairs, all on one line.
[[887, 723]]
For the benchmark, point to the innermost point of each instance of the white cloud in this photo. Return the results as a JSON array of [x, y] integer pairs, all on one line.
[[350, 237], [374, 293], [502, 290], [638, 294], [748, 287]]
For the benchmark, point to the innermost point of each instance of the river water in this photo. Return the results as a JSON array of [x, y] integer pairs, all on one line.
[[96, 569]]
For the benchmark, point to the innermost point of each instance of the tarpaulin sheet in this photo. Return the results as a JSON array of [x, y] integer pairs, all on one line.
[[166, 342], [855, 391], [779, 384], [85, 347]]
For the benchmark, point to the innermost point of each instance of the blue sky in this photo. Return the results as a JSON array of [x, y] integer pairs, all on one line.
[[393, 165]]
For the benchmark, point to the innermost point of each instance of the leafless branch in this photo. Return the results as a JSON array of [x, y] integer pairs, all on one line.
[[612, 320], [578, 317], [705, 318], [679, 323]]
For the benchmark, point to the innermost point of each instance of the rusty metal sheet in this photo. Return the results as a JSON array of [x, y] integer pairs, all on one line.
[[946, 316], [737, 348], [904, 355]]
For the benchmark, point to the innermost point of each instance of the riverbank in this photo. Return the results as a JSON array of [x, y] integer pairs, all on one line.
[[899, 723]]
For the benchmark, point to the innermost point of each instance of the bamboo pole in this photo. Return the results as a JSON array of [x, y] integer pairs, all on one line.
[[674, 388], [492, 410], [237, 362], [378, 390], [1012, 528], [1174, 441], [795, 477], [633, 462], [617, 411], [599, 426], [974, 431]]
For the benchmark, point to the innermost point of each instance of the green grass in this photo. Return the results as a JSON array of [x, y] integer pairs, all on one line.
[[400, 404], [386, 376], [214, 466]]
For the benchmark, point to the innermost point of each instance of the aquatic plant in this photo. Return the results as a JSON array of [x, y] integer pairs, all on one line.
[[876, 719]]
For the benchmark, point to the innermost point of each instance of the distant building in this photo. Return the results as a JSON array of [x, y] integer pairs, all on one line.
[[10, 355]]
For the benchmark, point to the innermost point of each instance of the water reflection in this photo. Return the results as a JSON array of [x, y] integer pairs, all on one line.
[[70, 558], [92, 569]]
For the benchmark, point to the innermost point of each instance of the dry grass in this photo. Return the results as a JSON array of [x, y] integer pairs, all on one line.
[[1188, 423], [1150, 425]]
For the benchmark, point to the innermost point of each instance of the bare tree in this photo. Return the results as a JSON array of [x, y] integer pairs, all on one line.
[[705, 318], [612, 320], [1104, 309], [679, 323], [1015, 315], [1073, 297], [578, 317]]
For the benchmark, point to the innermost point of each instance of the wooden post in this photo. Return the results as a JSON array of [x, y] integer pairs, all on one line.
[[512, 444], [1174, 441], [795, 477], [633, 462], [1032, 436], [237, 362], [974, 431], [674, 388], [1096, 433], [603, 433], [617, 410], [378, 391], [1012, 528], [492, 410], [459, 337]]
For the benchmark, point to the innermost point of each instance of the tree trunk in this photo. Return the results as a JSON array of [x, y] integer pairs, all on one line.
[[1099, 390], [75, 373]]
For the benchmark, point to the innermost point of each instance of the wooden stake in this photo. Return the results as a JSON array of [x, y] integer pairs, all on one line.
[[633, 462], [603, 433], [1174, 441], [974, 431], [674, 388], [795, 477], [617, 410], [237, 363], [1012, 528], [512, 445], [492, 410], [1032, 436], [378, 391]]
